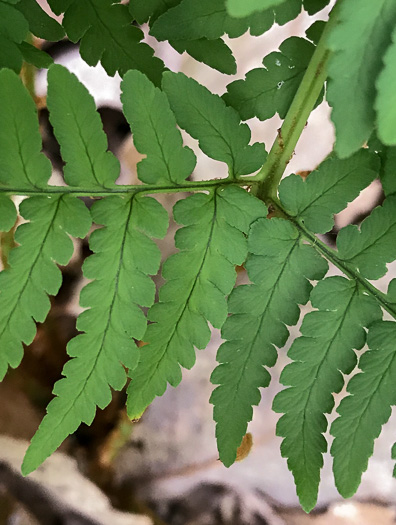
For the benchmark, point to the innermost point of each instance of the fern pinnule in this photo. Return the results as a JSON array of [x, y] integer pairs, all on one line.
[[367, 407], [153, 126], [199, 278], [120, 267], [279, 267], [321, 355]]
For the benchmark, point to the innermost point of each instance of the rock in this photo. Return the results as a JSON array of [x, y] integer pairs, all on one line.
[[57, 492], [346, 513], [172, 450]]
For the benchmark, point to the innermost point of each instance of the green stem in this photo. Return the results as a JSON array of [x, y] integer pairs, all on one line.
[[297, 116], [204, 185], [332, 256]]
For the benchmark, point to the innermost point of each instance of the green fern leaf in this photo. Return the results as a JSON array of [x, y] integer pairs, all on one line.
[[366, 409], [314, 6], [358, 42], [40, 24], [13, 31], [279, 270], [32, 273], [239, 9], [153, 125], [143, 10], [106, 34], [211, 19], [20, 139], [33, 55], [328, 189], [214, 53], [387, 172], [320, 356], [8, 213], [191, 20], [79, 130], [371, 247], [124, 257], [211, 243], [269, 90], [217, 127], [60, 6], [386, 99]]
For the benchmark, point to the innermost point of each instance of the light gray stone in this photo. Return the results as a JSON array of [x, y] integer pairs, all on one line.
[[58, 491]]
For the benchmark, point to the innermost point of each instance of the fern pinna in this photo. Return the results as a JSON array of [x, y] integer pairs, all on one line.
[[269, 226]]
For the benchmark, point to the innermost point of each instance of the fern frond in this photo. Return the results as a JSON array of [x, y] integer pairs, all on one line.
[[199, 278], [8, 213], [40, 24], [33, 55], [271, 89], [153, 125], [20, 139], [241, 9], [33, 273], [210, 18], [320, 356], [358, 42], [328, 189], [124, 258], [217, 127], [384, 104], [13, 31], [366, 409], [107, 34], [214, 53], [79, 131], [143, 10], [371, 247], [279, 268], [387, 173]]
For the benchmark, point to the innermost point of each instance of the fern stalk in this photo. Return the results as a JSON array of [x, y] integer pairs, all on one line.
[[205, 185], [331, 255], [297, 116]]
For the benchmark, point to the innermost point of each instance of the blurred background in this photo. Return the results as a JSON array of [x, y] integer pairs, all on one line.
[[164, 470]]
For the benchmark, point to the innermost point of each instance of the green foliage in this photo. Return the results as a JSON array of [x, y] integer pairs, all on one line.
[[279, 267], [257, 221], [359, 42], [153, 125], [124, 257], [214, 53], [269, 90], [20, 140], [40, 24], [386, 101], [43, 240], [328, 189], [106, 34], [320, 356], [217, 127], [78, 128], [209, 19], [371, 247], [211, 243], [241, 9], [366, 409]]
